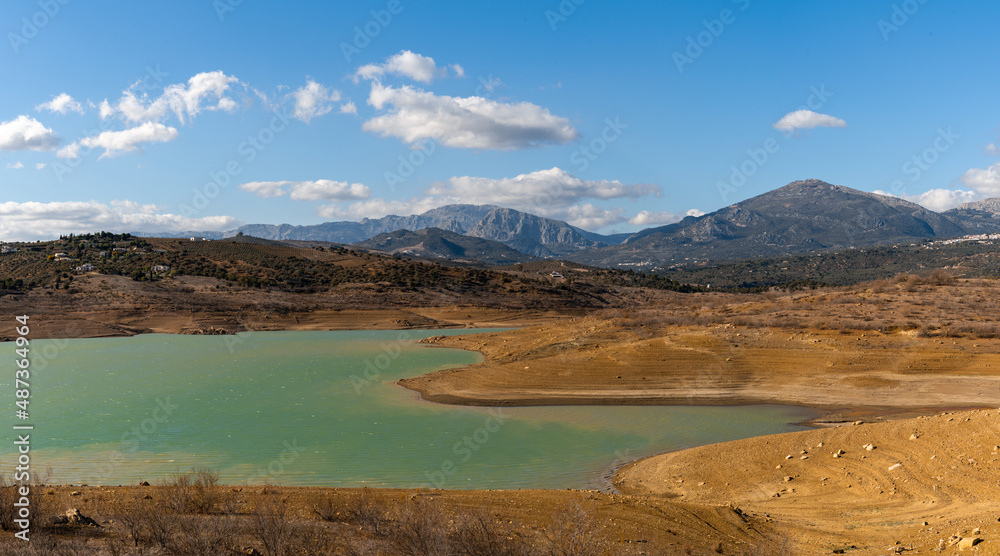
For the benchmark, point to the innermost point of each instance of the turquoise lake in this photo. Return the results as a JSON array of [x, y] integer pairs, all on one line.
[[321, 408]]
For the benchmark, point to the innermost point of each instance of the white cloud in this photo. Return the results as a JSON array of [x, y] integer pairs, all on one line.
[[807, 119], [348, 108], [203, 91], [106, 111], [470, 122], [118, 142], [313, 100], [647, 218], [39, 165], [62, 104], [589, 217], [319, 190], [542, 192], [30, 221], [550, 193], [15, 165], [939, 200], [24, 133], [695, 213], [408, 64], [992, 149], [377, 208], [985, 181]]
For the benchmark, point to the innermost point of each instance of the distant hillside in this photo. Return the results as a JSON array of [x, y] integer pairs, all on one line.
[[803, 216], [542, 237], [436, 243], [527, 233], [980, 217]]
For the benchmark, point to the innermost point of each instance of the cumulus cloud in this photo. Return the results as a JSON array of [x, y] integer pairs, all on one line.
[[589, 217], [38, 221], [470, 122], [407, 64], [552, 193], [24, 133], [992, 149], [118, 142], [648, 218], [319, 190], [313, 100], [537, 192], [939, 200], [807, 119], [349, 108], [61, 104], [985, 181], [14, 165], [377, 208], [203, 91], [39, 165]]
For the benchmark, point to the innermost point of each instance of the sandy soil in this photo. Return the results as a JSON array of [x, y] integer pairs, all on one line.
[[924, 480], [594, 360], [624, 524]]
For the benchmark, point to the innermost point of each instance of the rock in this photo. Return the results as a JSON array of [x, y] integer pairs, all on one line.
[[788, 457], [803, 452], [836, 455], [858, 423], [895, 466], [144, 484], [804, 457], [788, 479], [968, 542], [74, 517], [914, 436], [869, 447], [75, 493], [820, 445]]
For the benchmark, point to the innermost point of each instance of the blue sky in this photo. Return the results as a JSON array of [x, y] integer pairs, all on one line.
[[202, 115]]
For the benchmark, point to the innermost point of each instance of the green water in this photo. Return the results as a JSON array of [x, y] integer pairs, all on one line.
[[297, 408]]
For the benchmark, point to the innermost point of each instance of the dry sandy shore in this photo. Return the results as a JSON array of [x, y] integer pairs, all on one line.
[[924, 480], [594, 360]]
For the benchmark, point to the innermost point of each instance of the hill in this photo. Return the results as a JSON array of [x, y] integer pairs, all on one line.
[[803, 216], [980, 217], [435, 243]]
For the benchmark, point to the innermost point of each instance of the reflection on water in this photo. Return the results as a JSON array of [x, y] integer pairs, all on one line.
[[320, 408]]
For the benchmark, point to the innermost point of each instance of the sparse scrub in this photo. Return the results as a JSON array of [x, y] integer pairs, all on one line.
[[574, 533]]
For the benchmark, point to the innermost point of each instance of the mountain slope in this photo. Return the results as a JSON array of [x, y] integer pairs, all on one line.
[[527, 233], [803, 216], [444, 244], [524, 232], [980, 217]]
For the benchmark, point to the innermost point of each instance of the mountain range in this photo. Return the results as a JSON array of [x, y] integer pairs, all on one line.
[[801, 217]]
